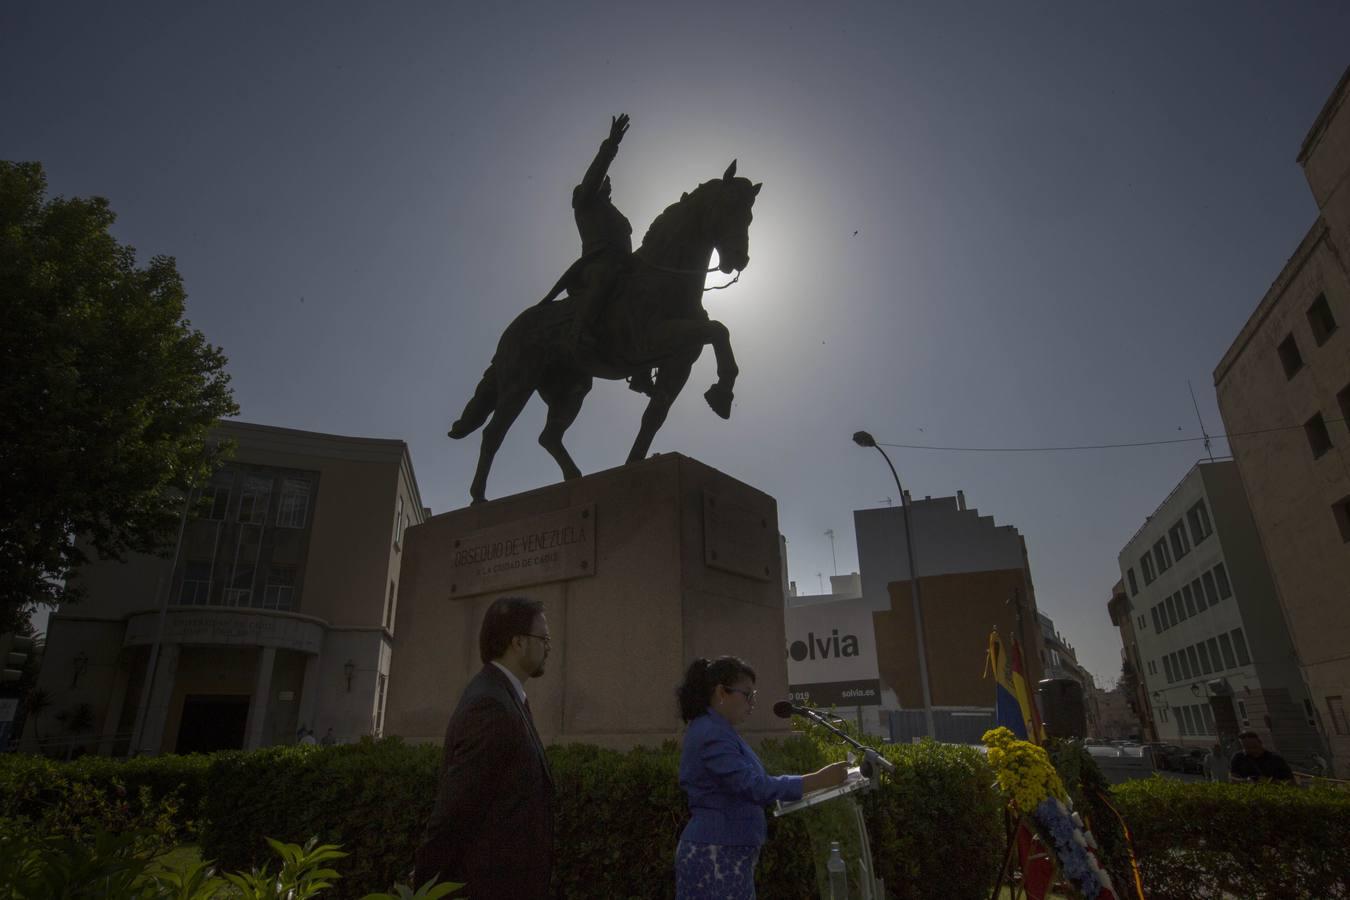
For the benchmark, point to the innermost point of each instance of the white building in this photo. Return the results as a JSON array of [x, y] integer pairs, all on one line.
[[1215, 653]]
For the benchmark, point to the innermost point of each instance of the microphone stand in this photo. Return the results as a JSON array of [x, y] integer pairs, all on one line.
[[872, 761]]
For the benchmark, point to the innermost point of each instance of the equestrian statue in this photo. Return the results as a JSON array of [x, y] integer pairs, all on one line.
[[618, 314]]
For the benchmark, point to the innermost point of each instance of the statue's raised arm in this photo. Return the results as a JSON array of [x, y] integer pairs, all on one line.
[[594, 179]]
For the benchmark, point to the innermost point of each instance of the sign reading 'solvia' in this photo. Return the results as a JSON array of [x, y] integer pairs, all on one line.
[[554, 546]]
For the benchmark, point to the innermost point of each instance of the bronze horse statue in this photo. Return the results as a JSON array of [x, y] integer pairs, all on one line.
[[654, 320]]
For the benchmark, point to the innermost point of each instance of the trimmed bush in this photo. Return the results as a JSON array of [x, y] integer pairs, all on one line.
[[372, 798], [936, 825], [165, 793], [1255, 841]]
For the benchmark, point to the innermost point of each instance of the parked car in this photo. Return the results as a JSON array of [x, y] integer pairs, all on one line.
[[1195, 762]]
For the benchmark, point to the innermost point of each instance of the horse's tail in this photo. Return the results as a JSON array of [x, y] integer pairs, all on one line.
[[479, 407]]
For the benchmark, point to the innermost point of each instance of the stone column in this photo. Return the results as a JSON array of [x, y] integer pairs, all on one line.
[[161, 692], [309, 693], [116, 701], [262, 689]]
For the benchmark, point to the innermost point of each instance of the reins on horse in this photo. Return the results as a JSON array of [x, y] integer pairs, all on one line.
[[716, 287]]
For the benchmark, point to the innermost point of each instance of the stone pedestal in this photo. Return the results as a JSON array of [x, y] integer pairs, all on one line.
[[640, 569]]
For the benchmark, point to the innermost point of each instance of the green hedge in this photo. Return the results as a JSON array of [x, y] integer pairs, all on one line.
[[1257, 842], [618, 816], [166, 793], [936, 826]]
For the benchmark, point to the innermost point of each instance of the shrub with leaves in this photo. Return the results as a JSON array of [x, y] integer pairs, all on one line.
[[1254, 841]]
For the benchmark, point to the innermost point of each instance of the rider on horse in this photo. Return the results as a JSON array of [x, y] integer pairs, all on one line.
[[606, 248]]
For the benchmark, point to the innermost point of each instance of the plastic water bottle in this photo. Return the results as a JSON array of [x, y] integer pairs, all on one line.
[[838, 873]]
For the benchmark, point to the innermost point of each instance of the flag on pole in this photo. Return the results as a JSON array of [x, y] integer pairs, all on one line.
[[1025, 698], [1007, 708]]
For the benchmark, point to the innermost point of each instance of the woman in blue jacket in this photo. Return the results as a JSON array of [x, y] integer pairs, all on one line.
[[726, 784]]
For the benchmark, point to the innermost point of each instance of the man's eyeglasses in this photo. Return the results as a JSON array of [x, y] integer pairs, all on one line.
[[548, 642], [749, 695]]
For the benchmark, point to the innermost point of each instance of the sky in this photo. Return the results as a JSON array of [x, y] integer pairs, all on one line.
[[982, 225]]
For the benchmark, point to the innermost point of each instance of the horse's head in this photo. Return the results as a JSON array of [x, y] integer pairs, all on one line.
[[727, 218]]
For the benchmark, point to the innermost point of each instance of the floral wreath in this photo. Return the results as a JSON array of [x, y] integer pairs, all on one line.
[[1034, 790]]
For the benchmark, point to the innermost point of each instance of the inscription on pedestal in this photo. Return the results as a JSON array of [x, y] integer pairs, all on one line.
[[737, 539], [554, 546]]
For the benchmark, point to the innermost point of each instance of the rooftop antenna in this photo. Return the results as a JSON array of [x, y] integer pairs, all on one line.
[[887, 501], [829, 533], [1200, 420], [820, 582]]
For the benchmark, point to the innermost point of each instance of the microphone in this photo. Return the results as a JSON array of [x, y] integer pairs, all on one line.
[[784, 709]]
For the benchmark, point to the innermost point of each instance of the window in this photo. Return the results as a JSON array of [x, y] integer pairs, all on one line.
[[1164, 713], [1208, 714], [1157, 623], [1183, 664], [1229, 661], [1184, 720], [237, 596], [1134, 588], [293, 509], [1290, 358], [379, 706], [1242, 712], [1308, 712], [1146, 566], [1199, 594], [1341, 510], [389, 607], [1204, 658], [279, 592], [216, 500], [1198, 517], [1320, 320], [1343, 401], [1161, 556], [196, 583], [1336, 709], [1319, 439], [1221, 576], [1190, 600], [1180, 546], [398, 524], [1210, 591], [1167, 665], [1194, 660], [1240, 645], [253, 499], [1213, 646], [1172, 617]]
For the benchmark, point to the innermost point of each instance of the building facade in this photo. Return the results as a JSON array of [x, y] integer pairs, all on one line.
[[1132, 685], [1214, 652], [275, 610], [1059, 661], [1290, 366], [972, 574]]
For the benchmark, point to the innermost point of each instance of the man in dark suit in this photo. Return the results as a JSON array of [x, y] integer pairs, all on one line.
[[492, 825]]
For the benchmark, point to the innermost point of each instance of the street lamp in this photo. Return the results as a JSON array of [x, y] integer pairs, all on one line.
[[863, 439]]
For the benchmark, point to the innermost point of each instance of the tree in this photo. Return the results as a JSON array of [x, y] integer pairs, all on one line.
[[107, 394]]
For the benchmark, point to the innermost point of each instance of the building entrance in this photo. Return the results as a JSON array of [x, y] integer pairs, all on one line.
[[212, 722]]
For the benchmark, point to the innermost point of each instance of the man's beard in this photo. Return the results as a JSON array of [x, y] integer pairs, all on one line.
[[539, 671]]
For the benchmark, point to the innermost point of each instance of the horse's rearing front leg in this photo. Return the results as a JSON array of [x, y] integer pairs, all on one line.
[[719, 396]]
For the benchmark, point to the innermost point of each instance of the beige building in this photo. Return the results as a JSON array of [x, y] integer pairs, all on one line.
[[973, 574], [1290, 366], [275, 610]]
